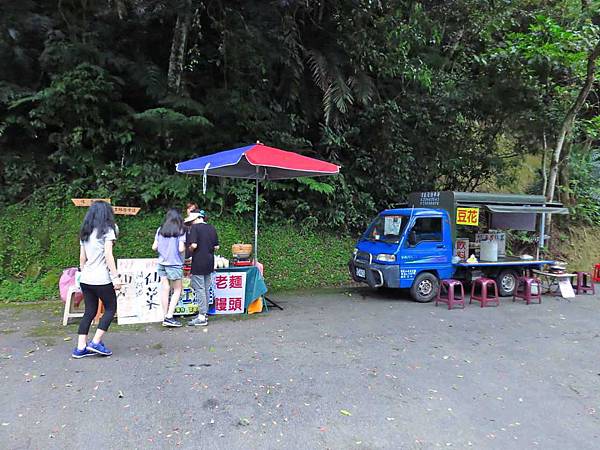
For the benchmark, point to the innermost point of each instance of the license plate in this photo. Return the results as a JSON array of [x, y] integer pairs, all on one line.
[[361, 273]]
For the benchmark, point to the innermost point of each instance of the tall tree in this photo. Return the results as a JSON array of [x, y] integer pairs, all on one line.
[[179, 46], [569, 119]]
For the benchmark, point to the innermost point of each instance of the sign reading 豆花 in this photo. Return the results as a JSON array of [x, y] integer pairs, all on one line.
[[138, 299], [230, 292], [467, 216]]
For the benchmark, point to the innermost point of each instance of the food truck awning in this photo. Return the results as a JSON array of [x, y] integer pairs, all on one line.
[[527, 209]]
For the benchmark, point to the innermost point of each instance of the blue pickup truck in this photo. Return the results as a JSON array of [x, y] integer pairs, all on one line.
[[414, 247]]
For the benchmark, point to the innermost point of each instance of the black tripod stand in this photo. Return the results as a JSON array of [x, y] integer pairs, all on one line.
[[272, 303]]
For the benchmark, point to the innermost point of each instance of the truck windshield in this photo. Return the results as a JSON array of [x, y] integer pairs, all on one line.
[[386, 228]]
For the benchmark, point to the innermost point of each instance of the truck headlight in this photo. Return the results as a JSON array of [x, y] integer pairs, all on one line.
[[385, 257]]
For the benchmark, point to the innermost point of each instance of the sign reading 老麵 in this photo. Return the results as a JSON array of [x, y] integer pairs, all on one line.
[[467, 216]]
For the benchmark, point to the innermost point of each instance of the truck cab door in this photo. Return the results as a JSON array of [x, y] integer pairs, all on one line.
[[427, 247]]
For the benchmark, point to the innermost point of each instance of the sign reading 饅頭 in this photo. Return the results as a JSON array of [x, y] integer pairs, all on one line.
[[467, 216], [230, 290], [138, 300]]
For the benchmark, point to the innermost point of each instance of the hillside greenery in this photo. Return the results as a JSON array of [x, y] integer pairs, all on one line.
[[30, 266]]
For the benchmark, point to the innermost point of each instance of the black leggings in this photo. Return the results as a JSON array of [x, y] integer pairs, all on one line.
[[91, 294]]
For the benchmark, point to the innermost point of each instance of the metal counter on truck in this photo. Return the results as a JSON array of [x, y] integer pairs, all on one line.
[[417, 246]]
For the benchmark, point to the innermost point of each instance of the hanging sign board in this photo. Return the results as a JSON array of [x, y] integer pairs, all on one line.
[[126, 210], [462, 248], [467, 216], [121, 210], [138, 299], [88, 201]]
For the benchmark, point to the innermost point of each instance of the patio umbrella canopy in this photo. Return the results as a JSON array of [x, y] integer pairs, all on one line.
[[257, 162]]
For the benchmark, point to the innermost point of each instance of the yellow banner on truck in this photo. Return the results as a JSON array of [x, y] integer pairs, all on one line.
[[467, 216]]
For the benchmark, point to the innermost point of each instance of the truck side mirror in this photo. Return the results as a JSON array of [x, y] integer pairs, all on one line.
[[412, 238]]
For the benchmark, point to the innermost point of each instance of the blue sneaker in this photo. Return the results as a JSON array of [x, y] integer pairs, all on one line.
[[98, 348], [78, 354]]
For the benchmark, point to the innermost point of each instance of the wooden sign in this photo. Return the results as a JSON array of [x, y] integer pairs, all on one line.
[[88, 201], [126, 210], [121, 210]]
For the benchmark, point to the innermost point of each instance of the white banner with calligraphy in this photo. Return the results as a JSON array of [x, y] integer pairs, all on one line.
[[230, 292], [138, 301]]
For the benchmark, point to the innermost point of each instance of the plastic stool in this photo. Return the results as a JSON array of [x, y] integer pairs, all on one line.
[[528, 289], [484, 295], [596, 274], [447, 293], [70, 310], [584, 283]]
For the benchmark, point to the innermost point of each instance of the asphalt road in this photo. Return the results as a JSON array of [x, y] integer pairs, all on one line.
[[341, 370]]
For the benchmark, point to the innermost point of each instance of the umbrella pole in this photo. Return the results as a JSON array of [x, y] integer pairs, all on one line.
[[256, 220], [267, 299]]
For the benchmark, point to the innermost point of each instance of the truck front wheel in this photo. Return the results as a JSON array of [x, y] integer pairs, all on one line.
[[425, 287], [507, 282]]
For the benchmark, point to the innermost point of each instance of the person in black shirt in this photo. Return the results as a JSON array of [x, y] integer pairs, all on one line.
[[202, 242]]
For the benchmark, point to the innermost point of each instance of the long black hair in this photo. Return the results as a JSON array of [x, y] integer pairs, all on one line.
[[173, 224], [99, 217]]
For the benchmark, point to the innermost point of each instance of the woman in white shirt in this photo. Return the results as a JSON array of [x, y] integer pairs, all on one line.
[[99, 277]]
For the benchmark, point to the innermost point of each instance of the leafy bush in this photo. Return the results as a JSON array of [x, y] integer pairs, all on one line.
[[585, 185]]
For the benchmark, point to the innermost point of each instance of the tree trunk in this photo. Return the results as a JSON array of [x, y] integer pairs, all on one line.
[[178, 48], [567, 123], [544, 164], [565, 195]]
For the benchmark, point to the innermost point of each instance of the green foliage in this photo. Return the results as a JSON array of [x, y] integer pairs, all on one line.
[[585, 185], [404, 95], [37, 243]]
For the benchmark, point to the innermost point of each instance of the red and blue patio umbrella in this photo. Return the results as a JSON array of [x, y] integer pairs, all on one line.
[[257, 162]]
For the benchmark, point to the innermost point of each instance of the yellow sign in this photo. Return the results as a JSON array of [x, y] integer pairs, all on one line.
[[467, 216]]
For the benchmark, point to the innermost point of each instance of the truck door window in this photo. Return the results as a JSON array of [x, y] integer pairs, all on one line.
[[388, 228], [428, 229]]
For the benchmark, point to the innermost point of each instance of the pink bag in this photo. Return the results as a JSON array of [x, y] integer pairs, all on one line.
[[67, 280]]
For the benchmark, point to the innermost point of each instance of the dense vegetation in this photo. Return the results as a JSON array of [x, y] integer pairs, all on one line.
[[101, 99]]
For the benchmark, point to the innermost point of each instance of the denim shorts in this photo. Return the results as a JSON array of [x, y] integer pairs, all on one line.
[[171, 272]]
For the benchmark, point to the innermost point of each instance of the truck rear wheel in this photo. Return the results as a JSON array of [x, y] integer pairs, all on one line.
[[507, 282], [425, 287]]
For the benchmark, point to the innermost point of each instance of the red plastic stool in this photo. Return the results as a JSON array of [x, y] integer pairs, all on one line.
[[584, 283], [528, 289], [484, 296], [447, 293], [596, 274]]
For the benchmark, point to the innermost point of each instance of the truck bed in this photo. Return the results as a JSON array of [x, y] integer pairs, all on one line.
[[506, 261]]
